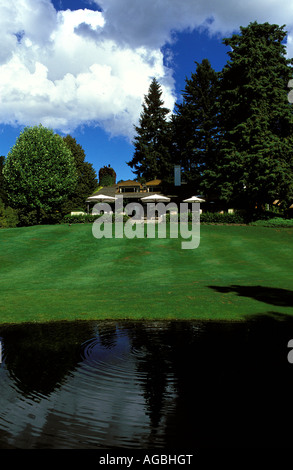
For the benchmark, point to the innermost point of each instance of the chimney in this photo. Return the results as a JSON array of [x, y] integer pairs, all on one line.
[[177, 175]]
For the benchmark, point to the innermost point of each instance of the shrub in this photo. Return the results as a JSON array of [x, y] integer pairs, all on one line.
[[8, 216], [263, 215], [88, 218], [29, 218], [213, 218], [277, 222], [217, 218], [79, 219]]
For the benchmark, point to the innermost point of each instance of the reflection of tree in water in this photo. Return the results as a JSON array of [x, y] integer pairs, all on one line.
[[153, 367], [39, 356], [172, 351], [234, 384], [108, 334]]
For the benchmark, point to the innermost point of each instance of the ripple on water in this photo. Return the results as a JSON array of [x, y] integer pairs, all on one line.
[[112, 397]]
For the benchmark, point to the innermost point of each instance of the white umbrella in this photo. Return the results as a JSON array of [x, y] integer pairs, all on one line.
[[194, 199], [155, 198], [101, 198]]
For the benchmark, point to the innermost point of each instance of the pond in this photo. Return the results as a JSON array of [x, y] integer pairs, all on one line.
[[146, 385]]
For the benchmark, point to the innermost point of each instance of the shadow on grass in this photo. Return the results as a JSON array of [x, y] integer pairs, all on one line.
[[269, 295]]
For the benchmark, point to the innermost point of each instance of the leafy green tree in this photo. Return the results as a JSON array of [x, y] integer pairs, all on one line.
[[86, 177], [195, 123], [254, 165], [3, 195], [151, 157], [39, 172], [107, 176], [8, 216]]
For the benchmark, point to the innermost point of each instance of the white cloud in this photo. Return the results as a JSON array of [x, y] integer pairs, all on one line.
[[60, 77], [36, 17], [151, 22], [69, 68]]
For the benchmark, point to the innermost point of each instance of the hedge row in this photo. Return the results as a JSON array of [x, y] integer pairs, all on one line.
[[237, 218], [212, 218], [205, 218], [87, 218], [217, 218]]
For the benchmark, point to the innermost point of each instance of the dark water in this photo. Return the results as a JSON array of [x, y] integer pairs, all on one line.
[[139, 385]]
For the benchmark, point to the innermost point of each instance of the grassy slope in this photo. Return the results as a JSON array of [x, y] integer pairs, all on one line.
[[62, 272]]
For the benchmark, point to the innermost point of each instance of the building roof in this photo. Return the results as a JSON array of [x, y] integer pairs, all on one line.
[[154, 183], [129, 183], [107, 190], [113, 190]]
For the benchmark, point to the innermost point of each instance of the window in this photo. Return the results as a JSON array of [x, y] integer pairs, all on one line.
[[128, 189]]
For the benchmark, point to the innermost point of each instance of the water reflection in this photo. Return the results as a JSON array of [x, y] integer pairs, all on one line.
[[146, 385]]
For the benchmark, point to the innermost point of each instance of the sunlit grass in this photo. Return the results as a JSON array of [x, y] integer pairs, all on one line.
[[61, 272]]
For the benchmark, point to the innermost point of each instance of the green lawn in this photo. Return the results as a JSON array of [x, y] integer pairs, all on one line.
[[64, 273]]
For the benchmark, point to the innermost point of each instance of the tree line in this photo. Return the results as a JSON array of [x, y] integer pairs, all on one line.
[[232, 132]]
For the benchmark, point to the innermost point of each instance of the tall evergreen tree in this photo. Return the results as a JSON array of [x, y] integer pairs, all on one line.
[[195, 123], [254, 165], [151, 157], [86, 176]]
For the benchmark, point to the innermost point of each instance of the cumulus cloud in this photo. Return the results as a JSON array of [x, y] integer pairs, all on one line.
[[68, 68], [55, 73], [152, 22]]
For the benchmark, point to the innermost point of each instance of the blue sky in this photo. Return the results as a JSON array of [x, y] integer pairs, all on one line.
[[83, 66]]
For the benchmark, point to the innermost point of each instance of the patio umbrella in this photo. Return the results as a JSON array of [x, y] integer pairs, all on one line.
[[155, 198], [194, 199], [101, 198]]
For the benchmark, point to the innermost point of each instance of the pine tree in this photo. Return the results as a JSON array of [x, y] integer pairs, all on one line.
[[254, 166], [194, 124], [151, 159]]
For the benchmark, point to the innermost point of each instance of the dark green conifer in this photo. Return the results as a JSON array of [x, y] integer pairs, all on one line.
[[151, 159], [195, 123], [254, 165]]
